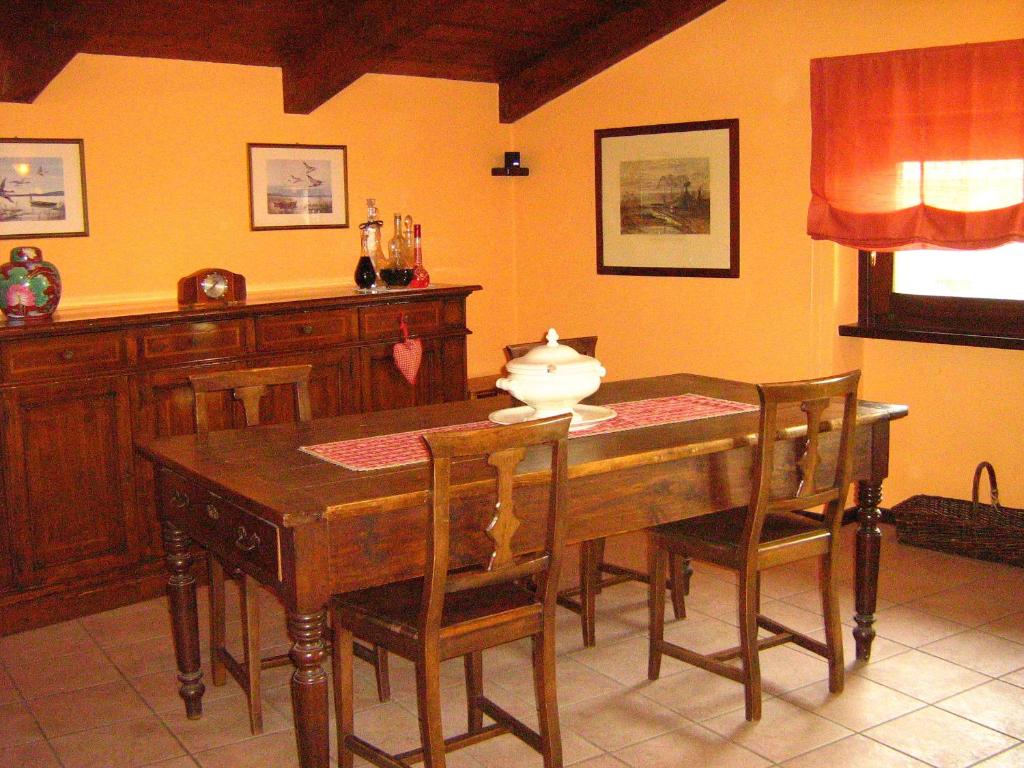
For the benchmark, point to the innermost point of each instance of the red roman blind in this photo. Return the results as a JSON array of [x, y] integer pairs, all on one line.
[[919, 148]]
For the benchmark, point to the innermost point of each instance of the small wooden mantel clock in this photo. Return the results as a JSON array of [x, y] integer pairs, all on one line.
[[211, 285]]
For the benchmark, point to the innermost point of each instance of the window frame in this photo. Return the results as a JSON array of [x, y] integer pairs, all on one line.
[[938, 319]]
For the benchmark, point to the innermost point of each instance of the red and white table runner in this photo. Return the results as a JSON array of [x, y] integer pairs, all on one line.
[[395, 450]]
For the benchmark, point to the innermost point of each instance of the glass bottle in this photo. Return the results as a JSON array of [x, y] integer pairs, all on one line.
[[370, 252], [409, 258], [407, 231], [394, 273], [420, 276]]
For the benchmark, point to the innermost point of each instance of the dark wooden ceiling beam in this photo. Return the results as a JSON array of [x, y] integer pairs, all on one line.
[[620, 36], [35, 45], [356, 44]]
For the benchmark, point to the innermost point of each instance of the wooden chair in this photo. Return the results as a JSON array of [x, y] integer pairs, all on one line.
[[249, 387], [595, 573], [771, 530], [464, 611]]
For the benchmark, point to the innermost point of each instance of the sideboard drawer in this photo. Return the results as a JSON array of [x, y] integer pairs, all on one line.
[[384, 322], [303, 330], [27, 359], [238, 536], [182, 342]]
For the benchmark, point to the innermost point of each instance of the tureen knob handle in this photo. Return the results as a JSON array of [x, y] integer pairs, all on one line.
[[552, 337]]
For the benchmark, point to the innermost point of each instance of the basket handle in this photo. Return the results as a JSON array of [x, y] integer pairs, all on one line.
[[993, 487]]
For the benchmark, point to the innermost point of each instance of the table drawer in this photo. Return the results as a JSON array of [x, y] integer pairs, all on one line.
[[28, 359], [384, 322], [305, 330], [239, 537], [182, 342]]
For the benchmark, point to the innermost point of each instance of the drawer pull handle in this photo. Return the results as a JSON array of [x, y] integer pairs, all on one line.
[[306, 330], [212, 512], [246, 541], [195, 341], [67, 355], [179, 499]]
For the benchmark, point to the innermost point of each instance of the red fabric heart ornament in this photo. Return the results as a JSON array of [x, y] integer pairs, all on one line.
[[408, 354]]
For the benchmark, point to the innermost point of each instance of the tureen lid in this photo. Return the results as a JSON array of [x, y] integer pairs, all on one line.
[[552, 358]]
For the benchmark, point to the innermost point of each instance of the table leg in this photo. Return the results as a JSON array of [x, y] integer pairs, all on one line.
[[869, 546], [181, 592], [309, 688]]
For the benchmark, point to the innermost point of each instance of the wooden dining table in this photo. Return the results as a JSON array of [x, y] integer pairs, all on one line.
[[307, 528]]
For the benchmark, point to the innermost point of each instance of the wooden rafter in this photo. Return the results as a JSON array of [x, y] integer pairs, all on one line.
[[600, 47], [35, 45], [358, 43]]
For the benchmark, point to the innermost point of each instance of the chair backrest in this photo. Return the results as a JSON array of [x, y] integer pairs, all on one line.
[[249, 387], [585, 345], [503, 448], [812, 398]]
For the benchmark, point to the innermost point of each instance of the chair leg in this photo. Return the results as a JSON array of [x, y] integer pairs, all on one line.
[[833, 627], [380, 667], [428, 700], [748, 598], [679, 584], [341, 662], [547, 696], [589, 578], [657, 559], [250, 599], [474, 663], [218, 674]]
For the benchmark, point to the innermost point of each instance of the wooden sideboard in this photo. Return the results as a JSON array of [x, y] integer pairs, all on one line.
[[78, 531]]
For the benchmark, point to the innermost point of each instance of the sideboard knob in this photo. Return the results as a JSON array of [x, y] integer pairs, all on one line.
[[67, 354], [307, 330]]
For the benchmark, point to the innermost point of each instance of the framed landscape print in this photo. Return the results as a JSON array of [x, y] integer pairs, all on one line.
[[298, 186], [668, 199], [42, 188]]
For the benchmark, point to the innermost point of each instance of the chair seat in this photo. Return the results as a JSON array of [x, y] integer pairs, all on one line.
[[395, 608], [715, 538]]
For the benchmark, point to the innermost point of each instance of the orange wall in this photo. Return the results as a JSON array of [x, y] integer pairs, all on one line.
[[165, 151], [749, 59]]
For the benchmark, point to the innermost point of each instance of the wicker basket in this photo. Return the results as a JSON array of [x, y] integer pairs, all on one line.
[[981, 531]]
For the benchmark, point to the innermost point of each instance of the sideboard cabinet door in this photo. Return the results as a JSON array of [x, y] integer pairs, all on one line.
[[6, 552], [383, 385], [68, 478], [333, 384]]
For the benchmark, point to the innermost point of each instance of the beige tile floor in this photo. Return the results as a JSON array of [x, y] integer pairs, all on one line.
[[945, 686]]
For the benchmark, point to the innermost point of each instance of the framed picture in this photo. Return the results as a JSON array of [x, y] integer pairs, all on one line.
[[668, 199], [298, 186], [42, 188]]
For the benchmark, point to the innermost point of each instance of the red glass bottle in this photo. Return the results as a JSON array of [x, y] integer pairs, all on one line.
[[420, 276]]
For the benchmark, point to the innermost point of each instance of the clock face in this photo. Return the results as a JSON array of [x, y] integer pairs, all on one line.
[[214, 285]]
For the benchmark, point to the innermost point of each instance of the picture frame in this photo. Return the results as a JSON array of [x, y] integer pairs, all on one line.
[[42, 188], [298, 186], [668, 199]]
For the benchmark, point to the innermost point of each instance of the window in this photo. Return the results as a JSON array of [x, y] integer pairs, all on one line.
[[966, 297], [918, 162], [952, 299]]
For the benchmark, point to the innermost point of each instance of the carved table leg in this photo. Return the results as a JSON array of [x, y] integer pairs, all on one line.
[[309, 687], [869, 546], [181, 592]]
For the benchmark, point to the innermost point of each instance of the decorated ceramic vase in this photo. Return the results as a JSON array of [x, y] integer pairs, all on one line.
[[29, 286]]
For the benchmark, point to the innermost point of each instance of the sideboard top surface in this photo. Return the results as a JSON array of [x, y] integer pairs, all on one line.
[[94, 318]]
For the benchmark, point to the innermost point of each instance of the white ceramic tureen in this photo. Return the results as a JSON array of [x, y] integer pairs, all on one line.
[[552, 378]]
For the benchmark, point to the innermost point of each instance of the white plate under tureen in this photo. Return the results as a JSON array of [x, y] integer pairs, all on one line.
[[551, 379]]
